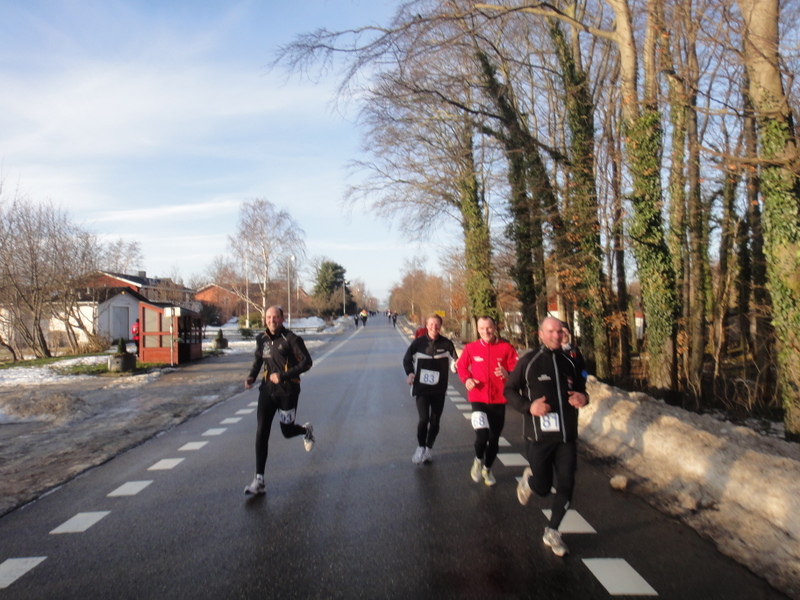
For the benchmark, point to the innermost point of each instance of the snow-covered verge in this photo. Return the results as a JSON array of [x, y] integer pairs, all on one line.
[[58, 408], [732, 485]]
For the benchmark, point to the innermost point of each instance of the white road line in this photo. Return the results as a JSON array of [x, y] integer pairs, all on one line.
[[466, 407], [503, 441], [572, 523], [618, 577], [191, 446], [215, 431], [512, 459], [253, 403], [14, 568], [230, 421], [335, 348], [245, 411], [468, 416], [166, 464], [131, 488], [80, 522]]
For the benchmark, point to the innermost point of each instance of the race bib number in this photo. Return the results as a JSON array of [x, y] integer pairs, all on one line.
[[286, 416], [479, 420], [550, 422], [428, 377]]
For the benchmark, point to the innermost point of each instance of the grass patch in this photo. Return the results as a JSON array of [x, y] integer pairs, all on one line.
[[39, 362], [97, 369]]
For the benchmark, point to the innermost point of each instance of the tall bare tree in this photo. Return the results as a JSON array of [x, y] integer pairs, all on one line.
[[265, 237]]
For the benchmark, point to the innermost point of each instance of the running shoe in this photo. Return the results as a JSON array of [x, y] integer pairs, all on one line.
[[552, 539], [308, 438], [257, 487], [426, 455], [475, 471], [488, 478], [524, 490], [417, 458]]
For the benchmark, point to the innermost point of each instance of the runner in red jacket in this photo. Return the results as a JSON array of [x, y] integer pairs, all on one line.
[[483, 367]]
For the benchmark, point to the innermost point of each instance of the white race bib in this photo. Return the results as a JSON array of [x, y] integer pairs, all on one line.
[[550, 422], [286, 416], [428, 377], [479, 420]]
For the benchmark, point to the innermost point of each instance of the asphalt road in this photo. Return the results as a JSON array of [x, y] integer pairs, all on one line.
[[354, 518]]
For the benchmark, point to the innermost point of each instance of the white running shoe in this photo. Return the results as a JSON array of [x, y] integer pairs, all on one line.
[[488, 478], [426, 455], [475, 471], [552, 538], [524, 490], [257, 487], [308, 438], [417, 458]]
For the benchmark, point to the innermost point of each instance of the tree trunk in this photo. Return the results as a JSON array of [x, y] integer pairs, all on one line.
[[642, 134], [781, 196], [584, 226], [481, 293]]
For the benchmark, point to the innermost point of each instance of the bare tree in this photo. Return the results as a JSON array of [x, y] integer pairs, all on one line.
[[122, 256], [266, 236]]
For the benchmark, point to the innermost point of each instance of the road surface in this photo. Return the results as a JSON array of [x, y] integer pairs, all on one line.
[[354, 518]]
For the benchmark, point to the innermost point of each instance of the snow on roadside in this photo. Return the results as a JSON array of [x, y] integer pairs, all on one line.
[[46, 375]]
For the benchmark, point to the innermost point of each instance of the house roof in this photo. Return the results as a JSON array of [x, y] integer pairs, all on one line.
[[106, 293], [141, 281]]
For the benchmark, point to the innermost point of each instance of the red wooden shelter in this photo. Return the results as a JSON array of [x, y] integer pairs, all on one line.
[[169, 333]]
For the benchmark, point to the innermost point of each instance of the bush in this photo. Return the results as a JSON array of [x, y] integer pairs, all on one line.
[[246, 333], [122, 348]]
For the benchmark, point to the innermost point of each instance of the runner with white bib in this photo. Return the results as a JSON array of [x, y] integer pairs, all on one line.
[[283, 357], [427, 363], [548, 388], [483, 367]]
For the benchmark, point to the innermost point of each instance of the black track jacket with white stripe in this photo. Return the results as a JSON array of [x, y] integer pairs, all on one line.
[[430, 361], [548, 373]]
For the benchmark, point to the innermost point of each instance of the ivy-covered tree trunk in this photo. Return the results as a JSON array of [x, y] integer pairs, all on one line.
[[584, 228], [481, 293], [780, 192], [652, 257], [643, 143], [525, 228]]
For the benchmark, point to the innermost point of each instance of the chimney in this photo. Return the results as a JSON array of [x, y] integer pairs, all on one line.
[[143, 274]]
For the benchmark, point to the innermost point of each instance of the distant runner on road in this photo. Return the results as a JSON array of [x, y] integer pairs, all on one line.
[[284, 356]]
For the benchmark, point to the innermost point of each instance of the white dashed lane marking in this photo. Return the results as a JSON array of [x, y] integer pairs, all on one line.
[[512, 459], [191, 446], [215, 431], [230, 420], [166, 464], [130, 488], [80, 522], [253, 404], [573, 522], [245, 411], [618, 577], [14, 568]]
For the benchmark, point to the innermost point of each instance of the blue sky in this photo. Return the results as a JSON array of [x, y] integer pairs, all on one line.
[[154, 121]]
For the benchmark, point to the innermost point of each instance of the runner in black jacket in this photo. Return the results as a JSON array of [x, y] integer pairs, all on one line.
[[548, 388], [283, 356], [426, 363]]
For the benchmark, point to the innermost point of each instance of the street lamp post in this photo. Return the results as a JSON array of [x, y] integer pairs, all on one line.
[[289, 287], [344, 284]]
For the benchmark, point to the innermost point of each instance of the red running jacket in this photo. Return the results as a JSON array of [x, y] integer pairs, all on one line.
[[479, 361]]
